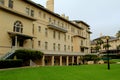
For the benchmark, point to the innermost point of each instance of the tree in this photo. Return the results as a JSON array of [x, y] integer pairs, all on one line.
[[118, 34], [99, 42], [105, 46], [118, 47], [27, 55], [97, 48]]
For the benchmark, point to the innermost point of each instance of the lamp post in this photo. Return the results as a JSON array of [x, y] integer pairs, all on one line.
[[108, 63]]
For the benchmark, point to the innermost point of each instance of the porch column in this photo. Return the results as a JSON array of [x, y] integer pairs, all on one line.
[[53, 60], [72, 59], [15, 41], [78, 57], [43, 60], [31, 43], [67, 60], [60, 60]]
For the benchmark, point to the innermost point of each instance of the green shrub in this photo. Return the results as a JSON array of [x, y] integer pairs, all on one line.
[[10, 63], [91, 58], [25, 54]]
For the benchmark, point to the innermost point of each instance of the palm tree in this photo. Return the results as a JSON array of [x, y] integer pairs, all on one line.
[[99, 42], [118, 34], [106, 46], [97, 48], [118, 47]]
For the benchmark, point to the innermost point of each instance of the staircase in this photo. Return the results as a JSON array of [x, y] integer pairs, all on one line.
[[6, 56]]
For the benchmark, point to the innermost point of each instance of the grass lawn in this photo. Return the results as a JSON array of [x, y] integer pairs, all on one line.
[[82, 72]]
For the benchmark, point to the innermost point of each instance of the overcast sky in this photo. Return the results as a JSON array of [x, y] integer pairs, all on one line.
[[103, 16]]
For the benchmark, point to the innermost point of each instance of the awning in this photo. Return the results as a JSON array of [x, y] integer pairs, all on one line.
[[21, 35]]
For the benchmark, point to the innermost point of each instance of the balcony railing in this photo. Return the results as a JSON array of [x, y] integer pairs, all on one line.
[[53, 26]]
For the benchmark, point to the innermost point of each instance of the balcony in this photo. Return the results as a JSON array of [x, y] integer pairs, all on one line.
[[58, 28], [78, 35]]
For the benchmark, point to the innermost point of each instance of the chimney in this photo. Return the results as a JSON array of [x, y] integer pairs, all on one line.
[[50, 5], [67, 17], [63, 15]]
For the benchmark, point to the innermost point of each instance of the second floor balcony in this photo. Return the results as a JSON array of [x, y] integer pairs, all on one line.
[[56, 27]]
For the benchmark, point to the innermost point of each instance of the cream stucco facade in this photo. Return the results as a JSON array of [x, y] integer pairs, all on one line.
[[28, 25], [113, 42]]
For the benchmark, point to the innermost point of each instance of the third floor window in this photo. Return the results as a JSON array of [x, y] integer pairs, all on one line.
[[32, 13], [46, 32], [10, 5], [27, 11], [1, 2]]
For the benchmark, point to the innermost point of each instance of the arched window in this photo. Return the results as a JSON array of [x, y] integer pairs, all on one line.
[[18, 27]]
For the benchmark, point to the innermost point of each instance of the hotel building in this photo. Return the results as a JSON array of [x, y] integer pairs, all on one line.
[[25, 24]]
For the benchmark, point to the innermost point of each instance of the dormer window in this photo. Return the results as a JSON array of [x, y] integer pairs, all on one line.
[[18, 27]]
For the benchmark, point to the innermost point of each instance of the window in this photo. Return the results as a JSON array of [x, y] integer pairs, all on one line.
[[46, 45], [1, 2], [46, 32], [33, 29], [39, 29], [58, 23], [39, 13], [72, 48], [78, 32], [62, 25], [54, 46], [65, 37], [18, 27], [32, 13], [72, 29], [71, 39], [27, 11], [39, 43], [49, 19], [68, 37], [54, 34], [81, 42], [68, 47], [44, 15], [54, 21], [82, 49], [58, 47], [59, 35], [10, 5], [64, 47]]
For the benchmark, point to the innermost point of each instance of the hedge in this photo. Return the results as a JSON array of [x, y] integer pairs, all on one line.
[[25, 54], [10, 63]]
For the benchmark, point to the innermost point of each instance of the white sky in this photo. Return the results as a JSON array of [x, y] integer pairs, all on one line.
[[102, 15]]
